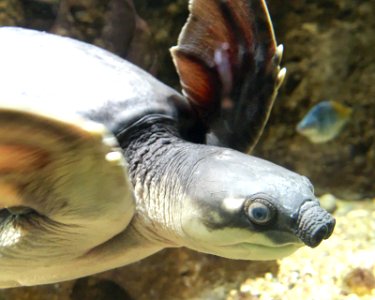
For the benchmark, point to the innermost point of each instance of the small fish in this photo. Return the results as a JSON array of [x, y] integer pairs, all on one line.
[[324, 121]]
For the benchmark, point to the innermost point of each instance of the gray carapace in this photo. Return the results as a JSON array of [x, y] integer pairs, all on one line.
[[102, 165]]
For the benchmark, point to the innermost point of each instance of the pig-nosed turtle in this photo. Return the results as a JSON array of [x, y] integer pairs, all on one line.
[[102, 165]]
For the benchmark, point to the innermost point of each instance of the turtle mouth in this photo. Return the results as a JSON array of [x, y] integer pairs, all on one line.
[[270, 246], [257, 251], [314, 224]]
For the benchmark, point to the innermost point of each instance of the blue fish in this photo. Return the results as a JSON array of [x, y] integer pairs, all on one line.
[[324, 121]]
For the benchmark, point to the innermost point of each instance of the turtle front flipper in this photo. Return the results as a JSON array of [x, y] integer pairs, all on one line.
[[63, 192], [228, 64]]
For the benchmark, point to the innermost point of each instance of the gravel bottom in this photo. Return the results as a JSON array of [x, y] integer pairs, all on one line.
[[342, 267]]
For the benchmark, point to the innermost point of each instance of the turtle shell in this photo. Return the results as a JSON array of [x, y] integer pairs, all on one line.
[[62, 102], [86, 81]]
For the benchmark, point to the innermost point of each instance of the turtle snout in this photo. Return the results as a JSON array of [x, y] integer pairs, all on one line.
[[314, 224], [321, 233]]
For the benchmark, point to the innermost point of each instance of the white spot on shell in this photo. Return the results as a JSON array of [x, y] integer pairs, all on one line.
[[94, 128], [114, 157], [280, 77], [279, 51], [110, 141]]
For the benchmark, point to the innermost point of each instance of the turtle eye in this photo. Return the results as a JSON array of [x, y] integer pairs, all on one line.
[[259, 212]]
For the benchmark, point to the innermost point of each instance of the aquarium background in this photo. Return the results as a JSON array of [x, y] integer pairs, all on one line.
[[329, 54]]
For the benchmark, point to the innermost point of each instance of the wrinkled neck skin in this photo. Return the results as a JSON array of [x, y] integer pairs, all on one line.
[[160, 164]]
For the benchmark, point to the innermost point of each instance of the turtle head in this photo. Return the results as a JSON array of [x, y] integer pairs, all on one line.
[[243, 207]]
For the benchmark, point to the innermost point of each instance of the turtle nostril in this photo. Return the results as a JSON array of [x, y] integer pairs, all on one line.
[[319, 235], [322, 233], [331, 226]]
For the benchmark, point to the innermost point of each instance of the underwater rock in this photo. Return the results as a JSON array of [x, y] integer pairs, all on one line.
[[89, 288], [106, 23], [110, 24], [11, 13], [328, 202], [360, 281]]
